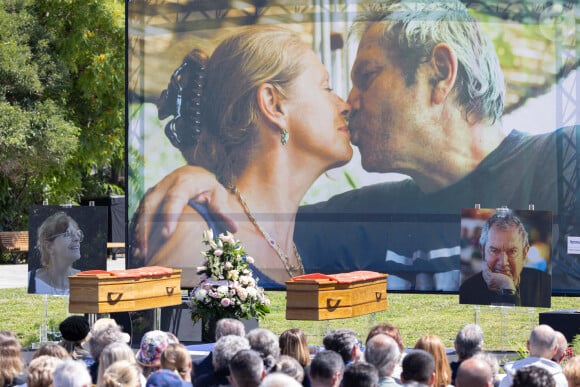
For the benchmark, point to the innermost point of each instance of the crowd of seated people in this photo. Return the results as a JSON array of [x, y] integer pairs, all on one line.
[[101, 356]]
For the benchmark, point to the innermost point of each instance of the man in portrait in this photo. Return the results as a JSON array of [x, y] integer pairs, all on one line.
[[503, 278]]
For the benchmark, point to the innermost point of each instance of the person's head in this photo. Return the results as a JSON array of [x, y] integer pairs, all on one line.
[[229, 326], [112, 353], [72, 373], [152, 345], [257, 85], [469, 341], [562, 344], [326, 369], [491, 360], [415, 55], [474, 372], [10, 360], [59, 237], [418, 366], [382, 351], [265, 342], [122, 373], [74, 329], [175, 357], [533, 376], [543, 342], [289, 366], [389, 330], [572, 371], [293, 343], [279, 379], [40, 371], [344, 342], [104, 332], [505, 245], [360, 375], [435, 347], [246, 369], [225, 349], [51, 349]]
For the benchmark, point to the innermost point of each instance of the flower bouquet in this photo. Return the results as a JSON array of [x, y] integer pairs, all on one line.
[[227, 287]]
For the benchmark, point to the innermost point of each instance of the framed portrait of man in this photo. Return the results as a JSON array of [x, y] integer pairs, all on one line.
[[506, 257]]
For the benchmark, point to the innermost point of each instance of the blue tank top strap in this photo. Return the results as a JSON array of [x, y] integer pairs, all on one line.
[[219, 227], [265, 281], [212, 220]]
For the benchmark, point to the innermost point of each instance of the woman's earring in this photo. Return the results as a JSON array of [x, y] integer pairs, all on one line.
[[284, 136]]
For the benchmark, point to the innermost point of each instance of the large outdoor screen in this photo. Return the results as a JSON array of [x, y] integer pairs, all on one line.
[[383, 210]]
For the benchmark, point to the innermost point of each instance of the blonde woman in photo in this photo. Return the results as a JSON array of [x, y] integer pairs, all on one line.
[[59, 244]]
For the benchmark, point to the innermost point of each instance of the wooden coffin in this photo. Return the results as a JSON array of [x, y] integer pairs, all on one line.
[[327, 297], [98, 291]]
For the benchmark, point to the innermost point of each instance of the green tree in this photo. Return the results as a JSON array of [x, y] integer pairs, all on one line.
[[61, 103]]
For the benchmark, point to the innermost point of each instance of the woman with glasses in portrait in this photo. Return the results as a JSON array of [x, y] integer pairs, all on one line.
[[59, 244]]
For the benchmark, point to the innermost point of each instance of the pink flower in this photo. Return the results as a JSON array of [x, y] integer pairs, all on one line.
[[226, 302], [218, 252]]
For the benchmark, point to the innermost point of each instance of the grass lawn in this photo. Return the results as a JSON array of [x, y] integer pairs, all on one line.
[[505, 329]]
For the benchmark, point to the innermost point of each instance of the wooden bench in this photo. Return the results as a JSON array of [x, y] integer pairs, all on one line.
[[15, 243]]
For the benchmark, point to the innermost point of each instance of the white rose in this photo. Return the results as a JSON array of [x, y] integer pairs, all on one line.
[[252, 292], [223, 290], [250, 260], [200, 294], [242, 293]]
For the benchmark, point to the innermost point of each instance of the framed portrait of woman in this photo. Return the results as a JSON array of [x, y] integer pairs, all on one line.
[[64, 241]]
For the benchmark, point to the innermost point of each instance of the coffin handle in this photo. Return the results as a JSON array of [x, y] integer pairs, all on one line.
[[329, 302], [170, 290], [379, 295], [113, 297]]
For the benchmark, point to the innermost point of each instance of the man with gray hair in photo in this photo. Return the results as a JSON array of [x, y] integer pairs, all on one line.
[[468, 342], [542, 346], [382, 351], [504, 279]]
